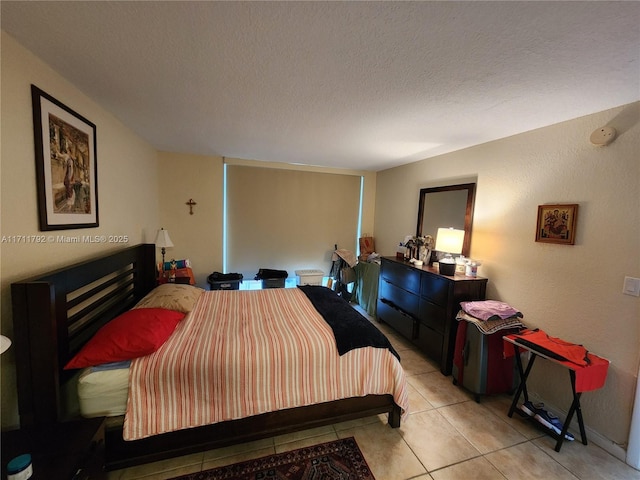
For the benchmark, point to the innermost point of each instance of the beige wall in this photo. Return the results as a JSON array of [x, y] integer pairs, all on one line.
[[572, 292], [127, 188], [199, 236]]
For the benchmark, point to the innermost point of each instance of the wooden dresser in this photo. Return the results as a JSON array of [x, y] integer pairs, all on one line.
[[422, 305]]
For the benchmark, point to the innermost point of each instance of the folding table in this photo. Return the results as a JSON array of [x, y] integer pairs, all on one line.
[[583, 379]]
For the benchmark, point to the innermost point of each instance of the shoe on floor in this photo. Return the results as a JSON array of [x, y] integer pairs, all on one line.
[[549, 420], [531, 408]]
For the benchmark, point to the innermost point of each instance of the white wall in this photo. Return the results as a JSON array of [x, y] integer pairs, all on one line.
[[572, 292], [127, 188]]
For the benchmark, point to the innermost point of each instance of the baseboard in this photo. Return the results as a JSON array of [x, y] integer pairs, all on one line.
[[606, 444]]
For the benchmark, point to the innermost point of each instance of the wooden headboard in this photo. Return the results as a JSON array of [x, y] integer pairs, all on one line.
[[55, 314]]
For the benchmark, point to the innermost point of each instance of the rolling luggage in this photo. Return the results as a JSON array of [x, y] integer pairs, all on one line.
[[478, 361]]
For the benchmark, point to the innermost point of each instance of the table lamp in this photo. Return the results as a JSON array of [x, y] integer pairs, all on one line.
[[449, 241], [163, 241]]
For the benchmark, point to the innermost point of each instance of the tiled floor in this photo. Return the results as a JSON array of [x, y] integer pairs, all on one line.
[[447, 436]]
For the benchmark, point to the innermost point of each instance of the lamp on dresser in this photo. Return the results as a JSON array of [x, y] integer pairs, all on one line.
[[449, 241], [163, 241]]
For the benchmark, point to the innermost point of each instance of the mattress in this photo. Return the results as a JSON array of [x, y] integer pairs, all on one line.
[[103, 390]]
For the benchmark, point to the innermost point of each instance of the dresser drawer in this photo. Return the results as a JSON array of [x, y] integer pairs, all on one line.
[[435, 316], [397, 319], [399, 297], [435, 289], [430, 341], [404, 276]]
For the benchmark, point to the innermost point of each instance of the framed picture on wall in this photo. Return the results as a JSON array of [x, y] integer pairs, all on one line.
[[66, 165], [557, 224]]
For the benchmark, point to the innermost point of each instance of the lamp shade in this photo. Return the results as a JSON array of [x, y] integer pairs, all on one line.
[[449, 240], [5, 343], [163, 240]]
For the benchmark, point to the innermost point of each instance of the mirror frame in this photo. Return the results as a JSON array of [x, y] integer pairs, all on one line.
[[468, 217]]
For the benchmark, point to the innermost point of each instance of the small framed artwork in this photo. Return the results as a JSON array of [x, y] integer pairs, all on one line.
[[557, 223], [66, 165]]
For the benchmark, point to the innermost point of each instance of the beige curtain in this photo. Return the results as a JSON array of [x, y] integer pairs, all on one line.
[[288, 219]]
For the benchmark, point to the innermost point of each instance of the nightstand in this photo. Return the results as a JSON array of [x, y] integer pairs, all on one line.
[[71, 450], [182, 275]]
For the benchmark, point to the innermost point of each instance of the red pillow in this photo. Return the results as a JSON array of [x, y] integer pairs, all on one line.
[[133, 334]]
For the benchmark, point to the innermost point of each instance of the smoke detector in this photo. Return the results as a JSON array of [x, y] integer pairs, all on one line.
[[603, 136]]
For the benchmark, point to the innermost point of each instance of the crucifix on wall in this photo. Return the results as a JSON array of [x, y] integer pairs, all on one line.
[[191, 204]]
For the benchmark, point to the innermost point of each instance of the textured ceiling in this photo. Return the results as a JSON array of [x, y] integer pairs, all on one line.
[[364, 85]]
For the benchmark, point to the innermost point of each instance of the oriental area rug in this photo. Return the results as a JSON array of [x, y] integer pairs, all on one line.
[[337, 460]]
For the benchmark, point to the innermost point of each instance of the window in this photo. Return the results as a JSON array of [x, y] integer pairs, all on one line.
[[288, 219]]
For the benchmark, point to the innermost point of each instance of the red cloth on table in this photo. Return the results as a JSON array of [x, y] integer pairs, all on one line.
[[554, 347], [588, 377]]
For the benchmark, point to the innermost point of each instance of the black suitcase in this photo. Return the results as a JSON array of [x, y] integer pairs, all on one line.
[[224, 281]]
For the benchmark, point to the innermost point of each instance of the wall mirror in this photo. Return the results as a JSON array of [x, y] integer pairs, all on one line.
[[448, 206]]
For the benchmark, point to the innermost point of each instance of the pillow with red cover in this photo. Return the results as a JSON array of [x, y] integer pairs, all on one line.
[[133, 334]]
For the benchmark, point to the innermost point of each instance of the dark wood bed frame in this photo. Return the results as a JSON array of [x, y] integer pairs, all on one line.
[[56, 313]]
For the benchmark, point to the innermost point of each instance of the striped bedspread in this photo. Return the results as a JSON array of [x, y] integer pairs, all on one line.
[[243, 353]]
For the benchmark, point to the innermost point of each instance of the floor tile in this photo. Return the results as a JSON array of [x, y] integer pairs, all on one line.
[[306, 442], [417, 403], [359, 422], [114, 475], [399, 343], [588, 461], [384, 449], [476, 468], [435, 441], [415, 363], [236, 449], [437, 389], [484, 430], [499, 405], [302, 434], [527, 462], [187, 463], [169, 474], [238, 457]]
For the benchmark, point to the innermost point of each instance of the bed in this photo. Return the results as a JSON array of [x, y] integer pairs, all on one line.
[[56, 314]]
